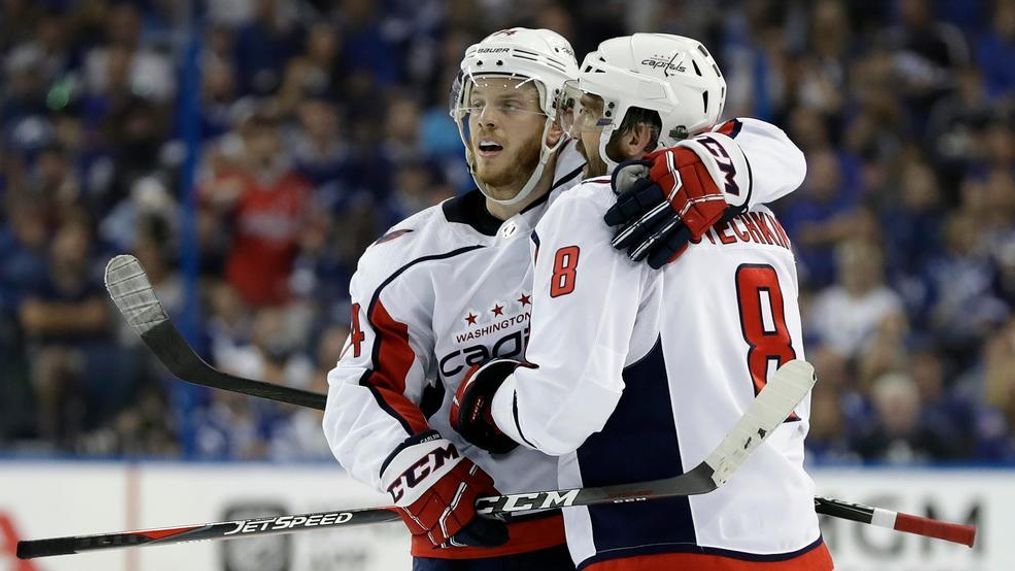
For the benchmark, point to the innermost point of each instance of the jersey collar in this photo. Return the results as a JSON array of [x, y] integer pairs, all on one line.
[[470, 208]]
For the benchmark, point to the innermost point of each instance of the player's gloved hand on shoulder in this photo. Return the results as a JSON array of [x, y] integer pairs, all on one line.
[[435, 490], [471, 409], [674, 195]]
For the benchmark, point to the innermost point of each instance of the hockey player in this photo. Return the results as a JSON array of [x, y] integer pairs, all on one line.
[[442, 291], [447, 289], [633, 374]]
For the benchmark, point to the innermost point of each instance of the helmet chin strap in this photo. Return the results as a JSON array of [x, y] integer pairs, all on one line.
[[537, 173]]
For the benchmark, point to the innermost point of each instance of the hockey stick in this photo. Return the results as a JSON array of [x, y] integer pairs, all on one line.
[[134, 296], [130, 289], [953, 532], [787, 387], [956, 533]]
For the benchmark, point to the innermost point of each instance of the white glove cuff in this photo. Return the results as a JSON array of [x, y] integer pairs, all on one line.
[[727, 165]]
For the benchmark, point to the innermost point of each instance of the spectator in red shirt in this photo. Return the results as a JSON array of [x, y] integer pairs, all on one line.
[[266, 202]]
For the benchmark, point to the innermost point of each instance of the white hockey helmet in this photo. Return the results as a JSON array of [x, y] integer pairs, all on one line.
[[541, 56], [672, 75]]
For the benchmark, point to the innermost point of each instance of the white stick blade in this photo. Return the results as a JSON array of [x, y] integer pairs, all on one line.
[[132, 293], [784, 391]]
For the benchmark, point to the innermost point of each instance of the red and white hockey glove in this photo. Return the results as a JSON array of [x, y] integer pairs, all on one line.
[[471, 408], [435, 489], [675, 195]]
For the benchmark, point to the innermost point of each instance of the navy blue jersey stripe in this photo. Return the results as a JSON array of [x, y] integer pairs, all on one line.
[[374, 356], [518, 427], [737, 126], [750, 185], [638, 444], [364, 380], [739, 555], [563, 180], [731, 128], [470, 208], [567, 178]]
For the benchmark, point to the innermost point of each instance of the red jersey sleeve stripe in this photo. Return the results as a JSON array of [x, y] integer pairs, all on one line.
[[730, 128], [393, 357]]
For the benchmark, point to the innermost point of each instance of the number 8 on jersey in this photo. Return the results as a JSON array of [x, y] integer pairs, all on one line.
[[565, 268], [763, 321]]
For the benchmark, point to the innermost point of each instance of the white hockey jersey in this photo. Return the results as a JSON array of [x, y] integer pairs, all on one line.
[[640, 373], [447, 289]]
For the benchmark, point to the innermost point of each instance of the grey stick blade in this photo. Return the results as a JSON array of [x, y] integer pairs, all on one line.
[[128, 285]]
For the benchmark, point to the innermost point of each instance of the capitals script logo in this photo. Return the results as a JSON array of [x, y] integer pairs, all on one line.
[[667, 64]]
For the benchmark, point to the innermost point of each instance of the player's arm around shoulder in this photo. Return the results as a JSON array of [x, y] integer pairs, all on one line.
[[777, 164], [585, 297], [673, 196]]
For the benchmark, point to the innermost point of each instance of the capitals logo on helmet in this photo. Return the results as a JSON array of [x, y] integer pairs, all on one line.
[[671, 75]]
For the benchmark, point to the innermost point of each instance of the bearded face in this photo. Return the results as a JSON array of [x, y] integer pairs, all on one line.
[[505, 134], [584, 126]]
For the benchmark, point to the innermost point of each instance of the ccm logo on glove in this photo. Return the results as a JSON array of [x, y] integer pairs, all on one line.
[[435, 490], [416, 473]]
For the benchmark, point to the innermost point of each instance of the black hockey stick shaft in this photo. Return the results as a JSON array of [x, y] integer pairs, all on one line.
[[179, 357], [221, 530], [957, 533], [134, 296], [697, 481]]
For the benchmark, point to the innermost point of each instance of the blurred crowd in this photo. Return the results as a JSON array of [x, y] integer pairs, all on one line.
[[320, 123]]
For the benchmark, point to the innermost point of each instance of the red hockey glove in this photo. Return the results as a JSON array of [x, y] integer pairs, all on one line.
[[471, 409], [435, 489], [675, 195]]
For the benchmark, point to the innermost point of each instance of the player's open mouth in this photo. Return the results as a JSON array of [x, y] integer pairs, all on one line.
[[488, 148]]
